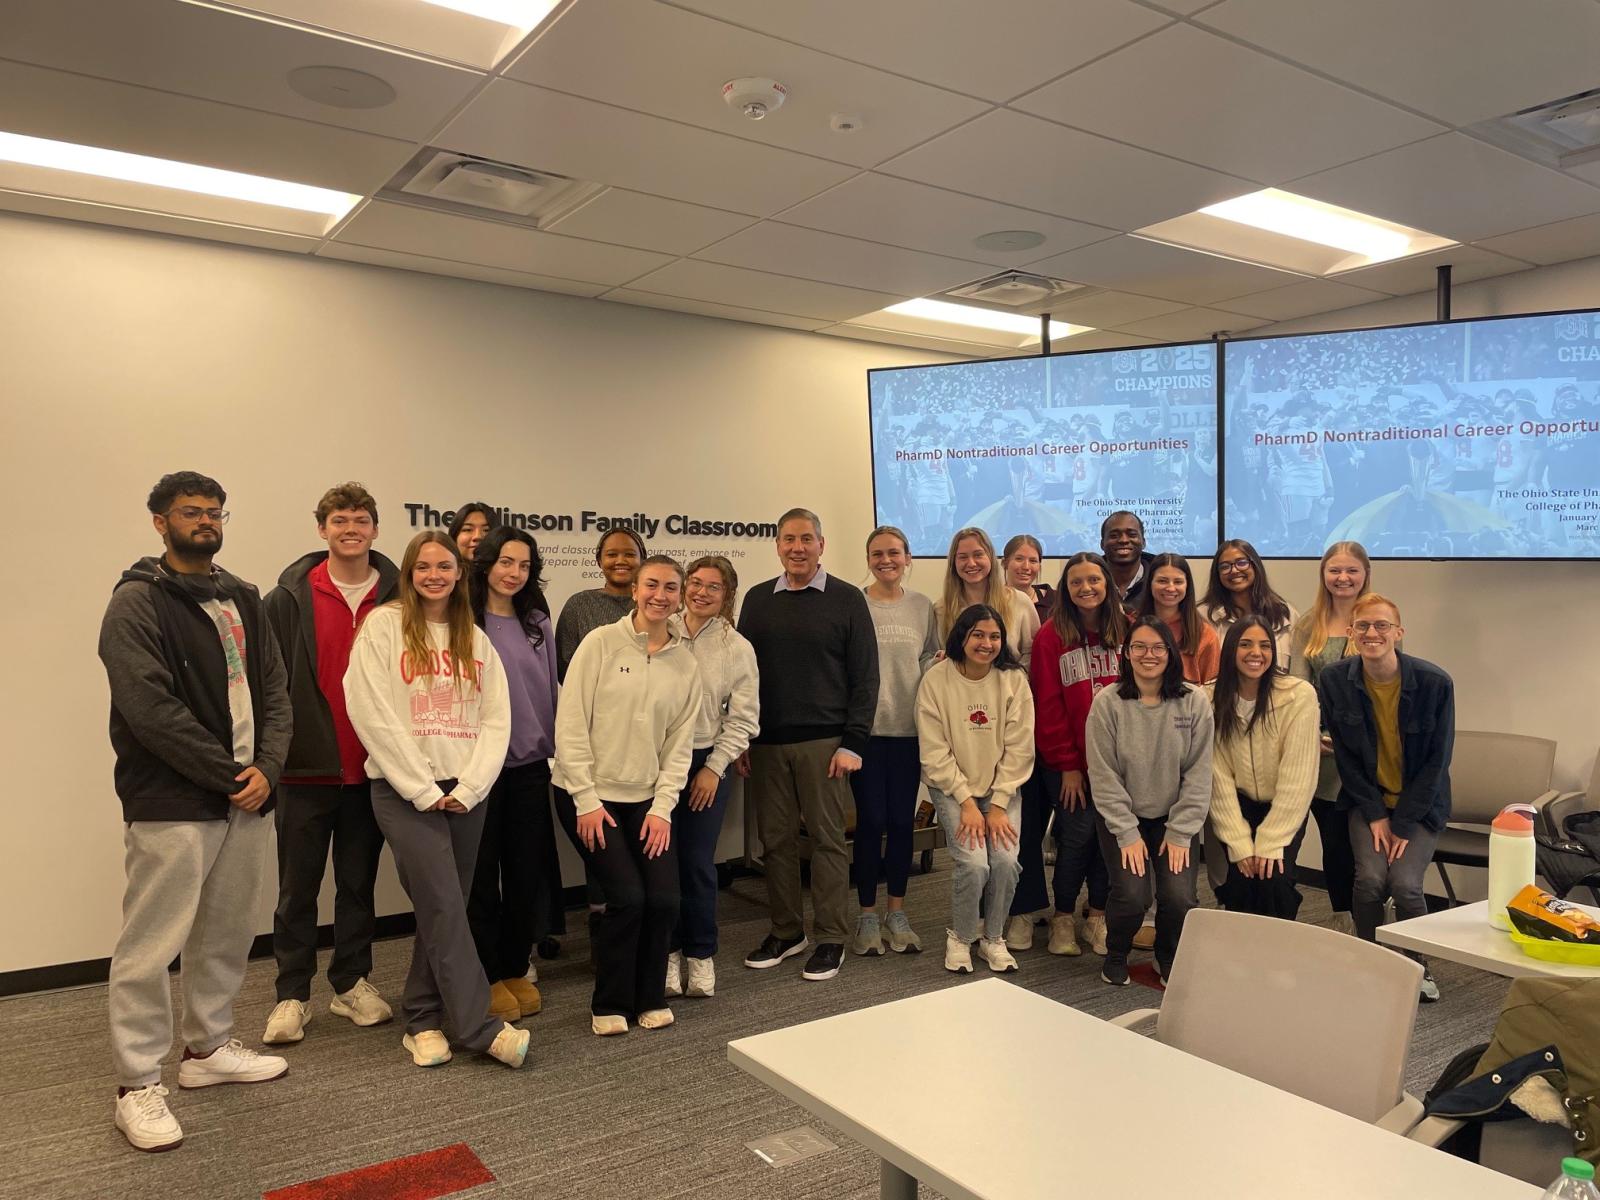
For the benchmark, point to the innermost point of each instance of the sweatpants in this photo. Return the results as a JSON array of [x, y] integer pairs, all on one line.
[[885, 791], [310, 817], [788, 782], [1338, 859], [434, 855], [631, 936], [1174, 892], [192, 888], [516, 885], [694, 838], [1377, 879], [1275, 897]]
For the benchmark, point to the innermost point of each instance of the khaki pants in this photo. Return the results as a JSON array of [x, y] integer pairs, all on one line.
[[789, 782]]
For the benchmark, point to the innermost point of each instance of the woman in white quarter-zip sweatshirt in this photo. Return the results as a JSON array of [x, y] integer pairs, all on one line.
[[624, 737]]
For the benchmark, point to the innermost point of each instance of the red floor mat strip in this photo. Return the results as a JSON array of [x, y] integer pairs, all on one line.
[[424, 1176]]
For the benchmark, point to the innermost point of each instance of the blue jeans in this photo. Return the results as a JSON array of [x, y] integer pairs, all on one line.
[[885, 790], [695, 835], [987, 874]]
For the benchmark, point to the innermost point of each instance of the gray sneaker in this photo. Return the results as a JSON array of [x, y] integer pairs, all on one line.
[[902, 938], [869, 935]]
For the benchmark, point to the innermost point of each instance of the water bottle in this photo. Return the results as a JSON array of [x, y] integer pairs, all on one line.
[[1512, 859], [1576, 1182]]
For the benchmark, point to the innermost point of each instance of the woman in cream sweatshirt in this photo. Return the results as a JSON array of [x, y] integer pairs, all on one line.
[[975, 733], [1263, 770], [624, 738], [427, 696]]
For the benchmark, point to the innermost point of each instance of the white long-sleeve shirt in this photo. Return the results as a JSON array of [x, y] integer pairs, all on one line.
[[418, 729], [730, 691], [625, 725]]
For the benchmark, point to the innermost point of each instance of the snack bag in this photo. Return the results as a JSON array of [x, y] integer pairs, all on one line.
[[1538, 914]]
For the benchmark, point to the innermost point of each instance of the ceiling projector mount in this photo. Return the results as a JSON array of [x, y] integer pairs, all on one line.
[[754, 96]]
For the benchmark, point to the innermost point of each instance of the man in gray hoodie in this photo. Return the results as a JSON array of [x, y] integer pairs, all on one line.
[[200, 723]]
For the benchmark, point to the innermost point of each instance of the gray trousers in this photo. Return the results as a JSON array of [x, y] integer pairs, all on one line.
[[434, 855], [1378, 880], [789, 782], [192, 889]]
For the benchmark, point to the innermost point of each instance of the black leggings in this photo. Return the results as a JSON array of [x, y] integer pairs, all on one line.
[[632, 936]]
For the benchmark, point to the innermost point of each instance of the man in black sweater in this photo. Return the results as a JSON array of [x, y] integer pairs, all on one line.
[[818, 657]]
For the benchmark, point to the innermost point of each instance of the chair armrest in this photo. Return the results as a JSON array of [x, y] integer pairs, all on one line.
[[1403, 1117], [1543, 804], [1140, 1020], [1432, 1131]]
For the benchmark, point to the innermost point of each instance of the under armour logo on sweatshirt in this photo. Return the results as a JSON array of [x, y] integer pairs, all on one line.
[[624, 670]]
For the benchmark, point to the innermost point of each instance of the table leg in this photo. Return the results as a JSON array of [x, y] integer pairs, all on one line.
[[896, 1184]]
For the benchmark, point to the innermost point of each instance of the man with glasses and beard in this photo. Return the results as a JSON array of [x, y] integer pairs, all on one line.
[[200, 724]]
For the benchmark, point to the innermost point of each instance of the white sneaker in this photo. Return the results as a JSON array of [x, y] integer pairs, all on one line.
[[957, 954], [362, 1005], [994, 952], [702, 977], [146, 1121], [231, 1062], [510, 1046], [675, 973], [1094, 932], [430, 1048], [1064, 935], [287, 1023], [1019, 933]]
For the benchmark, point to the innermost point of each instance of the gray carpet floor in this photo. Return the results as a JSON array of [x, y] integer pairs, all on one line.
[[651, 1114]]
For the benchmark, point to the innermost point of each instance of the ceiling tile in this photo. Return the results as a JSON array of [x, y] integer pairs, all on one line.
[[458, 270], [894, 337], [1168, 272], [1409, 275], [402, 227], [897, 212], [1462, 61], [1106, 308], [810, 254], [219, 55], [705, 309], [1303, 299], [1562, 241], [649, 222], [1193, 324], [673, 63], [995, 51], [1224, 106], [1018, 159], [116, 116], [128, 218], [568, 135], [740, 288], [1454, 186]]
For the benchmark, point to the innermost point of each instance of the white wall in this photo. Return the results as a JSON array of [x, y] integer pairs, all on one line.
[[128, 355]]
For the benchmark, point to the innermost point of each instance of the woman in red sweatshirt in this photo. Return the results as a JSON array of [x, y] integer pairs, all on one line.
[[1077, 652]]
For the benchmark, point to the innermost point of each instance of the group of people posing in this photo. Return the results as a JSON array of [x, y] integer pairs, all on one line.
[[434, 706]]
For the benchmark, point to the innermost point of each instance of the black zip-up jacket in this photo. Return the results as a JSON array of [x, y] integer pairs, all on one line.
[[290, 609], [1427, 739], [171, 727]]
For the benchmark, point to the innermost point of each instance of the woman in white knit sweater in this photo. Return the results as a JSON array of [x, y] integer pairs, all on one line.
[[428, 698], [1263, 770]]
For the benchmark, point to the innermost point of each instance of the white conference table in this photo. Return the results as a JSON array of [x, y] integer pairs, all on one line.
[[986, 1091], [1464, 935]]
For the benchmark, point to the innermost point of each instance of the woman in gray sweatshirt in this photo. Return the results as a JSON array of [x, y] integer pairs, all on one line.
[[1149, 751]]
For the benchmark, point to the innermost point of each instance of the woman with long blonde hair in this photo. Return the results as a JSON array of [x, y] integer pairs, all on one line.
[[428, 698], [972, 576]]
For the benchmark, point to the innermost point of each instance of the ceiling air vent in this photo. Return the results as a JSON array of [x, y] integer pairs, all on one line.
[[479, 187], [1013, 289], [1564, 133]]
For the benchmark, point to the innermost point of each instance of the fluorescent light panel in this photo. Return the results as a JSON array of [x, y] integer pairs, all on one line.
[[1308, 220], [165, 173], [518, 14], [981, 318]]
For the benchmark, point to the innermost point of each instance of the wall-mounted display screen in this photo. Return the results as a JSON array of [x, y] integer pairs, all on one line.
[[1050, 446]]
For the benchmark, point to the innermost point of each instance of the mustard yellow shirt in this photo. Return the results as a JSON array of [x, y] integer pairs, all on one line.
[[1385, 699]]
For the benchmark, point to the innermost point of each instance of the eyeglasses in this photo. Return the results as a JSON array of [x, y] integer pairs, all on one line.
[[190, 513], [714, 588], [1143, 650], [1374, 626], [1236, 566]]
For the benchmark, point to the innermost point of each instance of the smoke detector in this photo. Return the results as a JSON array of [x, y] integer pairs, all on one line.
[[754, 96]]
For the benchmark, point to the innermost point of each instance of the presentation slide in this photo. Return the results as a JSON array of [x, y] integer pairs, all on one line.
[[1050, 446], [1478, 439]]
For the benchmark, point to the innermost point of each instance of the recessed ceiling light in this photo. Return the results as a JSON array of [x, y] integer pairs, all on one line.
[[1313, 221], [1009, 239], [981, 318], [520, 14]]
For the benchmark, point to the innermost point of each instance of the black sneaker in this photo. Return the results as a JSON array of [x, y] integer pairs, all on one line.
[[774, 950], [824, 962], [1430, 989], [1115, 972]]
